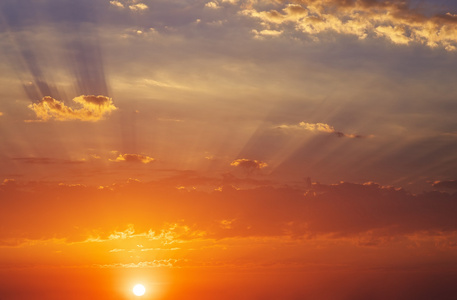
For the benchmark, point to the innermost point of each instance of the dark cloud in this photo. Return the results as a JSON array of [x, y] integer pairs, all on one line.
[[448, 184]]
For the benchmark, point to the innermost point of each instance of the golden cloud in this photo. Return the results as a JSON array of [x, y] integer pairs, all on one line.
[[138, 6], [135, 158], [94, 108], [212, 5], [248, 163], [393, 20], [117, 4], [132, 5], [320, 127]]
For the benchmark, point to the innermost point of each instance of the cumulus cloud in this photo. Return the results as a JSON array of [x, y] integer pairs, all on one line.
[[249, 164], [393, 20], [134, 158], [212, 4], [320, 127], [94, 108], [117, 4]]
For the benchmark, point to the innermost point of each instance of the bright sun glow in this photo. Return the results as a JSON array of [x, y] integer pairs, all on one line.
[[139, 290]]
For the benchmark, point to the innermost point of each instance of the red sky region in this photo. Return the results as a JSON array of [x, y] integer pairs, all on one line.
[[228, 149]]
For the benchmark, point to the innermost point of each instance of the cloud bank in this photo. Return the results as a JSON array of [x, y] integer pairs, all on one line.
[[393, 20]]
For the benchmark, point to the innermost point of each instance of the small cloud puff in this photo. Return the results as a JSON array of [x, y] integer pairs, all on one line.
[[94, 108], [117, 4], [138, 7], [134, 158], [248, 164], [212, 5], [132, 5], [320, 127]]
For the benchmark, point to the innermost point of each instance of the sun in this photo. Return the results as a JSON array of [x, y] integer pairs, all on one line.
[[139, 290]]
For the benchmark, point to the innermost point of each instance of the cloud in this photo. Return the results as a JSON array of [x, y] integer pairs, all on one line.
[[212, 5], [249, 164], [393, 20], [46, 160], [320, 127], [134, 158], [132, 5], [138, 7], [117, 4], [342, 210], [94, 108], [157, 263], [267, 33], [449, 184]]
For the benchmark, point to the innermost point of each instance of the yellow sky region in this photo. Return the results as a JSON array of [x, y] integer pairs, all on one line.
[[201, 267], [78, 242]]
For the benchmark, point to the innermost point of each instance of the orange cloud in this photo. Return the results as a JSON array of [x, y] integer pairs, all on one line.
[[320, 127], [393, 20], [135, 158], [94, 108], [248, 164]]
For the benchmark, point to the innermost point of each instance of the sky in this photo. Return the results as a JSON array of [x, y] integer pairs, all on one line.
[[228, 149]]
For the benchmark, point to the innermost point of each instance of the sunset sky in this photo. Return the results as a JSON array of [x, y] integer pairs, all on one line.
[[228, 149]]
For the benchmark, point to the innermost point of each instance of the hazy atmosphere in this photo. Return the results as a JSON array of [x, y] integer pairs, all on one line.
[[228, 149]]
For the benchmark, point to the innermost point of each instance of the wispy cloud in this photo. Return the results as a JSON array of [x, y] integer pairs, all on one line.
[[94, 108], [157, 263], [46, 160], [320, 127], [134, 158]]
